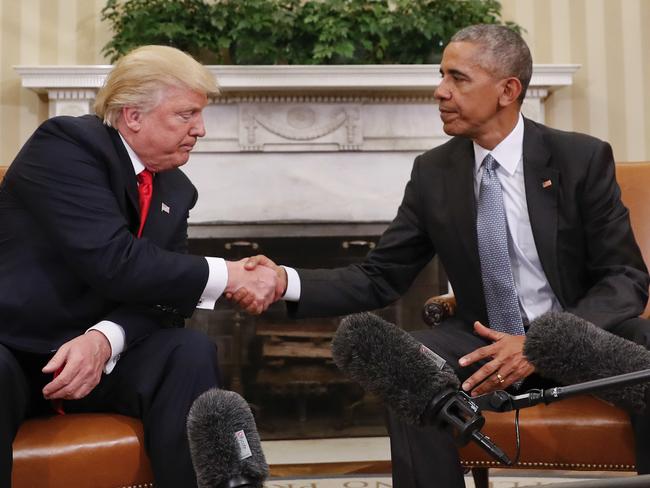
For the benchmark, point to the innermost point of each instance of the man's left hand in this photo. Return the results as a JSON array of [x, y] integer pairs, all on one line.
[[82, 360], [507, 365]]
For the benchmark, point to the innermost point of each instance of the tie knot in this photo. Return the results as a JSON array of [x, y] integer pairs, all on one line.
[[145, 177], [490, 163]]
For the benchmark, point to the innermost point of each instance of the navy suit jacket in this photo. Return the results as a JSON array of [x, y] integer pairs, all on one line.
[[581, 229], [68, 254]]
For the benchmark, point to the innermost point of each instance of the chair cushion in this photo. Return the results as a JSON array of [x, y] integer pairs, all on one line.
[[81, 450], [581, 433]]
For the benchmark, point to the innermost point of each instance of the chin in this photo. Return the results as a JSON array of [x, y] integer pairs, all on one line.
[[454, 130]]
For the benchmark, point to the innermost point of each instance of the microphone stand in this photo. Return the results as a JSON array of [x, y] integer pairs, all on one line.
[[502, 401]]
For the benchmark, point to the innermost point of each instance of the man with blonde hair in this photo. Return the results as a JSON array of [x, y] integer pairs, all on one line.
[[94, 274]]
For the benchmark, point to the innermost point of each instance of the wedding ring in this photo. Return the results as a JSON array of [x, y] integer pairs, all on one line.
[[500, 378]]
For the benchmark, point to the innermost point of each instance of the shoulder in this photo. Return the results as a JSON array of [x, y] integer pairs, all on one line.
[[563, 142], [442, 153], [86, 133], [86, 125]]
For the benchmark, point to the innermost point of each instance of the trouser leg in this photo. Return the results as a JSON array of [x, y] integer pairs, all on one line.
[[423, 457], [14, 391], [638, 330], [158, 380]]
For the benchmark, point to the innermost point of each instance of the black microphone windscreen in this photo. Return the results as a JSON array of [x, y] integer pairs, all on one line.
[[390, 363], [224, 442], [569, 349]]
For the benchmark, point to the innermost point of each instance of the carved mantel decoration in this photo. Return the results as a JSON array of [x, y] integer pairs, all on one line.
[[301, 144]]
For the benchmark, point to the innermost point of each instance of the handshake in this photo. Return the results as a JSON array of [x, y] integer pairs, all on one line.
[[255, 283]]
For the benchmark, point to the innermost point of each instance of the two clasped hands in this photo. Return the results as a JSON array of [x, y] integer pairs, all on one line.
[[263, 282], [255, 283]]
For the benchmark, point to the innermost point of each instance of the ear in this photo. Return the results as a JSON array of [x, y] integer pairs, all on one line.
[[132, 118], [510, 91]]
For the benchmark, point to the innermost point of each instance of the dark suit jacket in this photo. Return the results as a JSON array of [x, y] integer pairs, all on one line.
[[581, 229], [68, 254]]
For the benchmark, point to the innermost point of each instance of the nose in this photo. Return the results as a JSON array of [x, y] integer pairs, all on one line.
[[198, 128], [442, 91]]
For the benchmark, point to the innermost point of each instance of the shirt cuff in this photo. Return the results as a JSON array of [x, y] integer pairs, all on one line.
[[116, 338], [217, 281], [293, 285]]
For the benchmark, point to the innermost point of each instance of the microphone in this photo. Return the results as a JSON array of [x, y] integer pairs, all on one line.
[[568, 349], [224, 444], [412, 380]]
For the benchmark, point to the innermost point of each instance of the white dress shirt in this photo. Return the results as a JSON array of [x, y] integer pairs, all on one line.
[[214, 288], [533, 289]]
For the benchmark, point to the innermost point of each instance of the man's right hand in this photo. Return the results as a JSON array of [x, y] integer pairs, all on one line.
[[81, 362], [253, 288], [244, 298]]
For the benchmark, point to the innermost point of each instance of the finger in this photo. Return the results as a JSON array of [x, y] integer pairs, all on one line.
[[253, 309], [252, 262], [259, 260], [477, 355], [239, 295], [57, 361], [55, 387], [495, 382], [246, 302], [486, 332], [480, 375]]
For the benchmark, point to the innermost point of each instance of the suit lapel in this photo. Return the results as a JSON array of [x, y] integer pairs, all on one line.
[[460, 184], [125, 185], [159, 220], [542, 186]]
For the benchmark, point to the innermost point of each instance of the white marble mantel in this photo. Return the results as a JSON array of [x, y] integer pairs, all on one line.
[[301, 144]]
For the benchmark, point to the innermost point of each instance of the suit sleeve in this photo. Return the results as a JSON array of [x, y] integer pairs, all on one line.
[[64, 183], [615, 270], [386, 273]]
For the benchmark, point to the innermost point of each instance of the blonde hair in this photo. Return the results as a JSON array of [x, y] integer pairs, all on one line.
[[138, 79]]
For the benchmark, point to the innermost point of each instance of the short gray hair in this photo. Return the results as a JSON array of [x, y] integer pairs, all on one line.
[[506, 53]]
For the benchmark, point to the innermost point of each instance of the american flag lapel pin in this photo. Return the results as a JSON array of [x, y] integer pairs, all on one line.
[[164, 208], [547, 184]]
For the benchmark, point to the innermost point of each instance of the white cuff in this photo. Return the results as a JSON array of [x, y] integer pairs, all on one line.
[[293, 285], [116, 338], [217, 280]]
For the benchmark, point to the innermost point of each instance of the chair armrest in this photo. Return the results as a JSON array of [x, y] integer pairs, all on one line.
[[438, 308]]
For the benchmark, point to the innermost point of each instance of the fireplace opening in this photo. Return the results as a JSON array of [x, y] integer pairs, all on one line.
[[283, 366]]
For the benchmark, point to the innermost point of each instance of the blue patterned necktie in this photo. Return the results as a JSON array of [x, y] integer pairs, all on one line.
[[498, 284]]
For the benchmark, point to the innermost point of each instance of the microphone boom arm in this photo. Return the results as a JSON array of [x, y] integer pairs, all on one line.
[[502, 401]]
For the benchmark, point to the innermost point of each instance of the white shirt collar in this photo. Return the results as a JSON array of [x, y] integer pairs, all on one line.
[[508, 152], [138, 167]]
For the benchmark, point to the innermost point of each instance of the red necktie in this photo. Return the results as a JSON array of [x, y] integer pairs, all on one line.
[[145, 190]]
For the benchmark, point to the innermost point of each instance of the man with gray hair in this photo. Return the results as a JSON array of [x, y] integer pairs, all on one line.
[[525, 220], [94, 275]]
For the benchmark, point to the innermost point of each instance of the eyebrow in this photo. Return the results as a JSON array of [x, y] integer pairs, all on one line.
[[454, 72]]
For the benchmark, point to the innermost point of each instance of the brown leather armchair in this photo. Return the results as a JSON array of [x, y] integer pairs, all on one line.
[[581, 433]]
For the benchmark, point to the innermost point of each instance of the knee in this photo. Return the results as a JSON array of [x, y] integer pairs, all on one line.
[[636, 330], [10, 372], [193, 349]]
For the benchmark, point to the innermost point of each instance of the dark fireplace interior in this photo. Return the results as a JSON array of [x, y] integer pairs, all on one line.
[[284, 367]]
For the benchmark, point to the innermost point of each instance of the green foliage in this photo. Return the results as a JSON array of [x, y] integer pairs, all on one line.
[[296, 31]]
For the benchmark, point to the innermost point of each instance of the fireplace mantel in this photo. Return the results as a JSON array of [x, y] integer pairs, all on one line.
[[301, 144]]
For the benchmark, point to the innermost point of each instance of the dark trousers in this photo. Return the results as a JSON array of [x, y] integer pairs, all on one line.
[[157, 380], [425, 457]]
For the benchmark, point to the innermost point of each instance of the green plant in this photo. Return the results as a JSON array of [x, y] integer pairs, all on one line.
[[296, 31]]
